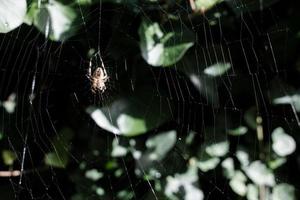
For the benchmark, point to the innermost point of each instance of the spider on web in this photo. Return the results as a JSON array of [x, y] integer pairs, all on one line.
[[98, 77]]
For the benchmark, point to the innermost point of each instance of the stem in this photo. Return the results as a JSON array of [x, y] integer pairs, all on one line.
[[260, 137]]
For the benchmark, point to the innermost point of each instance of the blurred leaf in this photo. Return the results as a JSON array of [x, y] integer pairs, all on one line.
[[243, 157], [99, 191], [293, 100], [125, 194], [85, 2], [110, 165], [238, 183], [1, 135], [118, 150], [131, 116], [217, 69], [93, 174], [54, 19], [283, 144], [8, 157], [250, 117], [238, 131], [274, 164], [252, 192], [260, 174], [228, 168], [159, 145], [217, 149], [61, 145], [207, 163], [12, 14], [187, 181], [283, 191], [10, 104], [156, 47], [204, 5]]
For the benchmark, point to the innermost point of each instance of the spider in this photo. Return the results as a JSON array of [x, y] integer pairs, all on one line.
[[98, 77]]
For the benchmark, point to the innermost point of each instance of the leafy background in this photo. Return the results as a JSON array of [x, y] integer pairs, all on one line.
[[202, 101]]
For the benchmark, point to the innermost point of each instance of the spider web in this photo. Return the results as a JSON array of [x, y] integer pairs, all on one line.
[[51, 92]]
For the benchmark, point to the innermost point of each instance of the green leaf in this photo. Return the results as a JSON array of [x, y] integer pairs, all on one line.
[[217, 149], [274, 164], [187, 181], [217, 69], [283, 144], [59, 157], [260, 174], [252, 192], [93, 174], [204, 5], [131, 116], [8, 157], [242, 130], [283, 191], [238, 183], [156, 47], [173, 54], [243, 157], [55, 20], [207, 163], [12, 14], [118, 150], [10, 104], [228, 168], [293, 100], [159, 145]]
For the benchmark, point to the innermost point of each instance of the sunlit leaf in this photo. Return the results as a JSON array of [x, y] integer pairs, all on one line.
[[243, 157], [159, 145], [93, 174], [217, 69], [99, 191], [126, 195], [228, 167], [10, 104], [132, 115], [217, 149], [55, 20], [204, 5], [283, 144], [12, 14], [293, 100], [208, 164], [187, 181], [156, 47], [238, 183], [252, 192], [283, 191], [260, 174], [118, 150]]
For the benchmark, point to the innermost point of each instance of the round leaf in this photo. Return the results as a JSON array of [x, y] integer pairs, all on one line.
[[260, 174], [283, 144]]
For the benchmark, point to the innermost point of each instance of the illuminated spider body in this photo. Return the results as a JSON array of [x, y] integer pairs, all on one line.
[[98, 78]]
